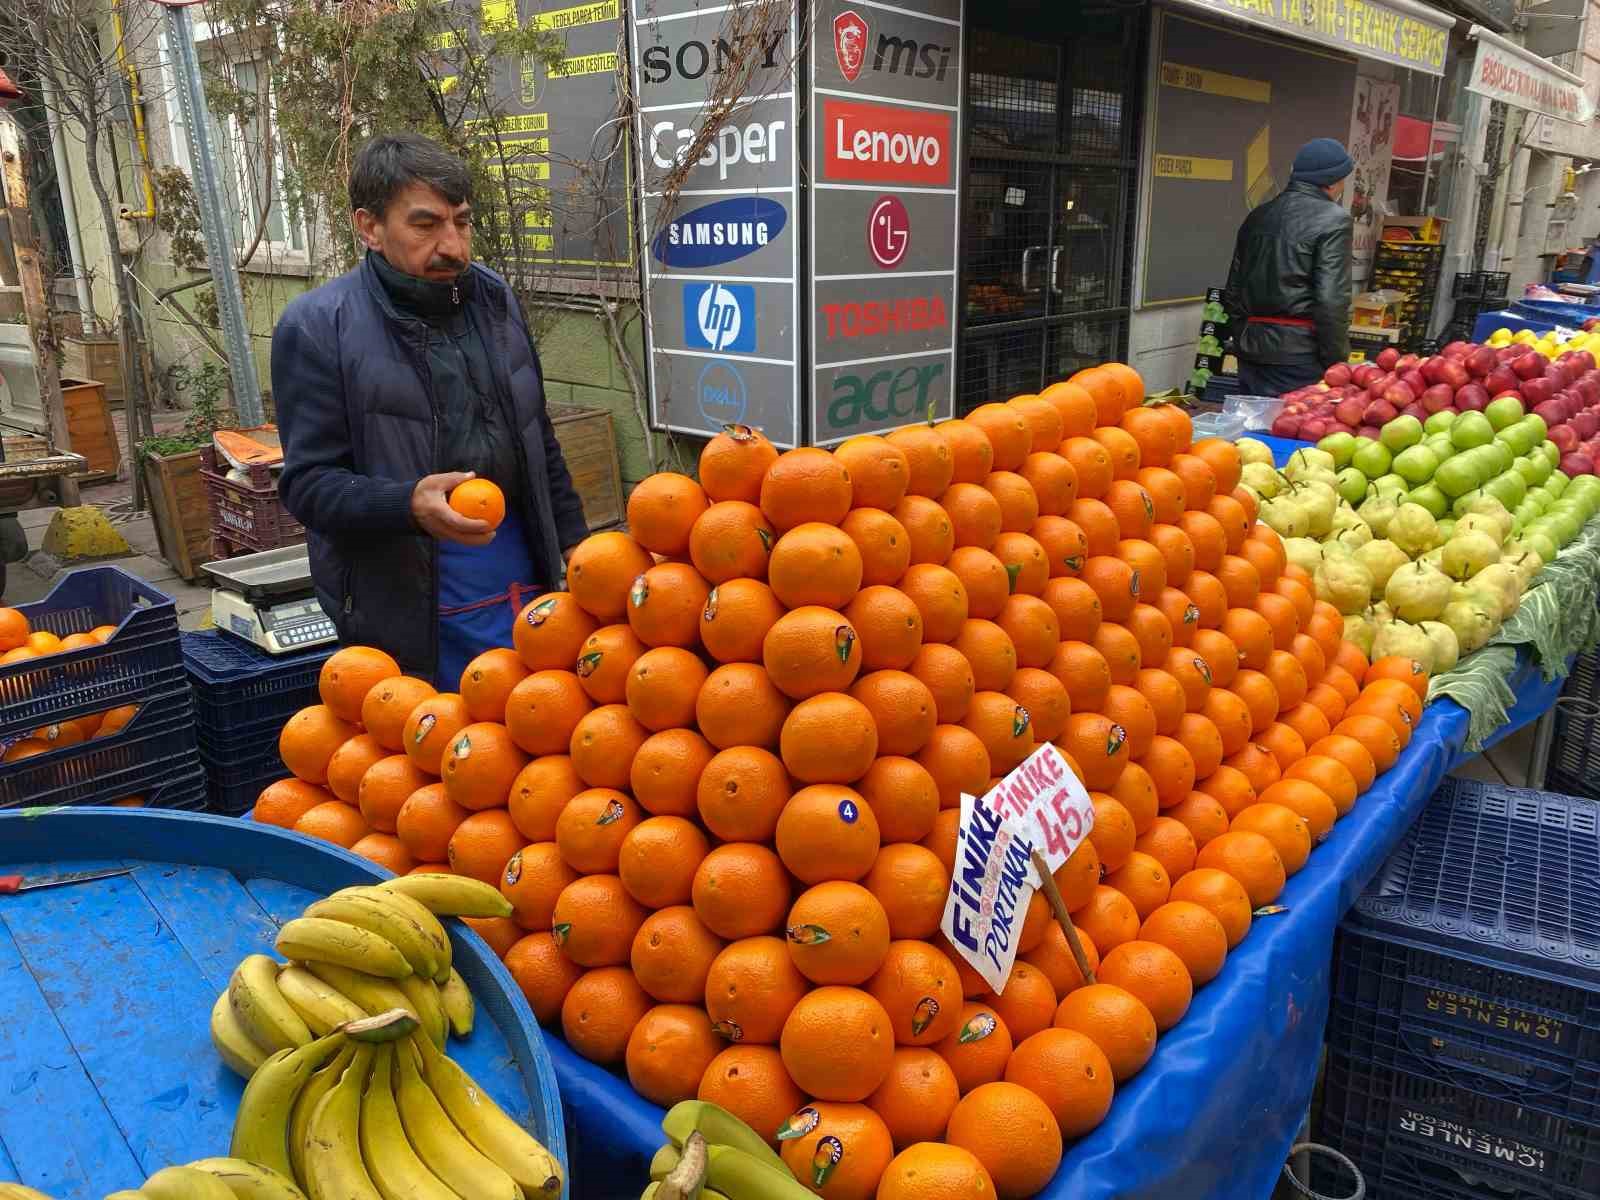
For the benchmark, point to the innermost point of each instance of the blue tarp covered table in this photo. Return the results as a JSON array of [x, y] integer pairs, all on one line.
[[1213, 1115]]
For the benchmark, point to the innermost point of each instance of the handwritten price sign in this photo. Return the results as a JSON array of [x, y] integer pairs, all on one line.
[[1039, 805]]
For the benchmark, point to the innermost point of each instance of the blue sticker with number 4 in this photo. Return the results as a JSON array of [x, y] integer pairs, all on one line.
[[847, 811]]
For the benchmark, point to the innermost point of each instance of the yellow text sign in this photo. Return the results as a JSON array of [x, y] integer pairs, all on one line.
[[1176, 166], [1215, 83], [580, 14]]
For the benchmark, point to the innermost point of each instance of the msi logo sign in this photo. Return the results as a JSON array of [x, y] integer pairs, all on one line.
[[850, 43]]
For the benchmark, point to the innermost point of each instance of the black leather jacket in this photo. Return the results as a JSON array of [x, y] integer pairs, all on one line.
[[1292, 259]]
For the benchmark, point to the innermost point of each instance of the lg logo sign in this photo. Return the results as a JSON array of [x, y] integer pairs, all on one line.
[[888, 231]]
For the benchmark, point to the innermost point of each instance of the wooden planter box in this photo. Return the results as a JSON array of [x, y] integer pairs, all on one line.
[[96, 358], [589, 445], [89, 425], [178, 504]]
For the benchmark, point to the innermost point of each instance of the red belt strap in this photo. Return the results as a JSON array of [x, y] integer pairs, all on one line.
[[1297, 322], [513, 597]]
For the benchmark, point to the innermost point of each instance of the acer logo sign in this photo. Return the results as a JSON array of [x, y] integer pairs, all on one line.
[[878, 143]]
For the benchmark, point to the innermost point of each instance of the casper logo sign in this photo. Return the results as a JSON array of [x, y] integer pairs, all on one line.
[[878, 143], [756, 144], [720, 232]]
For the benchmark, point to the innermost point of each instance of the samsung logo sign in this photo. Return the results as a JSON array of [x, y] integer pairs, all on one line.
[[720, 233]]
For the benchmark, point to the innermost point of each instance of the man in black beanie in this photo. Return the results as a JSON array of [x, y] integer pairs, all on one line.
[[1288, 294]]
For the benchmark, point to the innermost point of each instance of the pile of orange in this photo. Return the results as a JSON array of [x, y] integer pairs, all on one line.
[[719, 777], [20, 643]]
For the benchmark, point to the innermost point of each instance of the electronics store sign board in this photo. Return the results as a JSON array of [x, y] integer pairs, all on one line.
[[1404, 32], [720, 253], [884, 155]]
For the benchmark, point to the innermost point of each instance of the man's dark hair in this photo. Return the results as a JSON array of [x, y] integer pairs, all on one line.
[[393, 161]]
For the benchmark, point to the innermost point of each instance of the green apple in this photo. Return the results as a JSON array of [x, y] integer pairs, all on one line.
[[1390, 485], [1551, 452], [1533, 469], [1542, 496], [1431, 498], [1440, 444], [1400, 433], [1557, 483], [1507, 487], [1352, 484], [1563, 526], [1526, 513], [1498, 455], [1416, 464], [1439, 422], [1536, 423], [1372, 460], [1457, 476], [1504, 411], [1471, 429], [1540, 542], [1341, 445], [1584, 485]]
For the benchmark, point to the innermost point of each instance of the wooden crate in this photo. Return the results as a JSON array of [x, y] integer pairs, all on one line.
[[89, 425], [96, 358], [589, 446], [177, 496]]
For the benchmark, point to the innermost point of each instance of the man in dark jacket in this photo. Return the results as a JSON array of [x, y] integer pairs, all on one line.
[[1288, 294], [397, 382]]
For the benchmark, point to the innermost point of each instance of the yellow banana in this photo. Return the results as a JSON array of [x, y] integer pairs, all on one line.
[[371, 994], [439, 1143], [233, 1044], [424, 996], [248, 1180], [16, 1191], [385, 920], [458, 1004], [386, 1027], [733, 1171], [720, 1127], [119, 1194], [418, 912], [184, 1183], [266, 1016], [318, 939], [334, 1168], [486, 1125], [685, 1181], [321, 1007], [396, 1170], [261, 1129], [318, 1086], [451, 895], [665, 1159]]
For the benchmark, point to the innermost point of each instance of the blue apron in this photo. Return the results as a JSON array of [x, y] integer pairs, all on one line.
[[481, 590]]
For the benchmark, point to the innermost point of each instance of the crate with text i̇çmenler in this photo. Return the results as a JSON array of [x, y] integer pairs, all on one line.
[[243, 697], [141, 658], [247, 512], [1472, 960], [153, 758]]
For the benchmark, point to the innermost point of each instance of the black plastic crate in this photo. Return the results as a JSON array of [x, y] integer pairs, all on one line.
[[1416, 1139], [232, 788], [154, 756], [142, 658], [1488, 286], [1474, 955], [236, 683], [1574, 766]]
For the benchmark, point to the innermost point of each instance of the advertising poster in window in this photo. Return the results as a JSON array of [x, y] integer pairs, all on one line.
[[1371, 145]]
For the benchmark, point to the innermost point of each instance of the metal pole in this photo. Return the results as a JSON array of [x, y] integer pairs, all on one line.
[[213, 220]]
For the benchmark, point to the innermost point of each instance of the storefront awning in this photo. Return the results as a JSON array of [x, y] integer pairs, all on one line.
[[1505, 71], [1403, 32]]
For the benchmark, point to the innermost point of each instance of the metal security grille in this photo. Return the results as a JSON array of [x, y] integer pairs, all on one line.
[[1048, 196], [1492, 138]]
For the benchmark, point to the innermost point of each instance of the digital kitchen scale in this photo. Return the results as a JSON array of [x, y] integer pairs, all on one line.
[[266, 599]]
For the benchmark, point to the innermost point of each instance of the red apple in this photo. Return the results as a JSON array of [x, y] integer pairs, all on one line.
[[1586, 423], [1565, 437], [1529, 366], [1337, 375], [1407, 362], [1577, 463], [1381, 412], [1415, 409], [1480, 362], [1501, 379], [1472, 398], [1583, 358], [1536, 391], [1458, 349], [1414, 380], [1364, 374], [1348, 412], [1388, 357], [1369, 431], [1431, 368], [1437, 398], [1286, 425], [1507, 353], [1315, 428], [1399, 394]]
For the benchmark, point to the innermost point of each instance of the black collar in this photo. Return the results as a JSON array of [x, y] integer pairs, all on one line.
[[424, 299]]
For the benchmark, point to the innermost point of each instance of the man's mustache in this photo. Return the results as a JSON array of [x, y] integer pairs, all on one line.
[[446, 264]]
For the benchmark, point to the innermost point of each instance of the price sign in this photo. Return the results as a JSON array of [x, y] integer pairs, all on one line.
[[1048, 803], [1040, 805]]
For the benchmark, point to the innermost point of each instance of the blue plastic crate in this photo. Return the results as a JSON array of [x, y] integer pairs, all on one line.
[[141, 658], [235, 683], [1473, 957], [1574, 766], [154, 751], [1417, 1139]]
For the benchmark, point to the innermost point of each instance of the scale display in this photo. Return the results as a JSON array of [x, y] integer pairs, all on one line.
[[280, 628]]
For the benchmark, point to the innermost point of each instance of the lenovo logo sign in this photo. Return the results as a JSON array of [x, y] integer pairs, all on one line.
[[877, 143]]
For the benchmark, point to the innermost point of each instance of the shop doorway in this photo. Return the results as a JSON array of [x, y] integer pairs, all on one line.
[[1052, 114]]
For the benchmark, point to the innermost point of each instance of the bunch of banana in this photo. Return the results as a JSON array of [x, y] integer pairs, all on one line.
[[208, 1179], [374, 1111], [714, 1155], [360, 952]]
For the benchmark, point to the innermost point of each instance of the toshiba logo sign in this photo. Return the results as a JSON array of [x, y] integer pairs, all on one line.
[[879, 143]]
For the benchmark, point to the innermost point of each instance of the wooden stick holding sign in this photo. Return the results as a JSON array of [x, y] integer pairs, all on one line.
[[1047, 884]]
